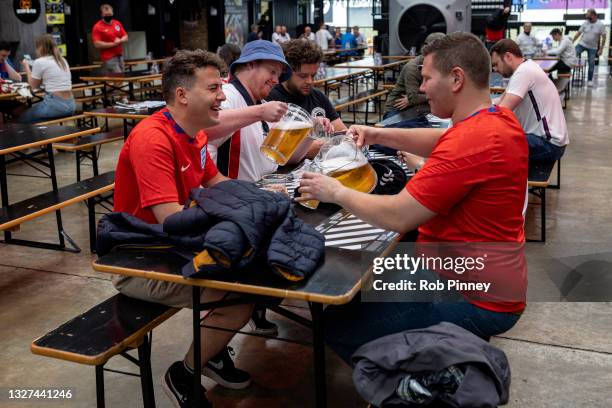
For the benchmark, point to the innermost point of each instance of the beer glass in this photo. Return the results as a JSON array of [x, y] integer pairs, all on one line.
[[286, 135], [313, 168], [341, 159]]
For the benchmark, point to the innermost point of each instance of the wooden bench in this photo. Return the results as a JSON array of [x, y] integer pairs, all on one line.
[[539, 179], [111, 328], [362, 97], [89, 147], [89, 190]]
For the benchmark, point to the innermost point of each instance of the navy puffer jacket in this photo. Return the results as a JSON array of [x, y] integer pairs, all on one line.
[[226, 227]]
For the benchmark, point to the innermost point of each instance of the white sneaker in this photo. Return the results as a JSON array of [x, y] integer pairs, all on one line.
[[590, 84]]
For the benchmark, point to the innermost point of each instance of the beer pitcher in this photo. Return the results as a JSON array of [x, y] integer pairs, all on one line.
[[341, 159], [286, 135]]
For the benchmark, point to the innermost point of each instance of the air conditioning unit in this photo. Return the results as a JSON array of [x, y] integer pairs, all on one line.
[[411, 21]]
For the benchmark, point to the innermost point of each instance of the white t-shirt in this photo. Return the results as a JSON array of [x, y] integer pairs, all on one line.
[[310, 37], [540, 112], [53, 77], [590, 34], [253, 164], [280, 38], [528, 44], [323, 39], [565, 51]]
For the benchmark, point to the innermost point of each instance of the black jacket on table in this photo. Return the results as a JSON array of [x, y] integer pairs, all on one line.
[[380, 366], [227, 227]]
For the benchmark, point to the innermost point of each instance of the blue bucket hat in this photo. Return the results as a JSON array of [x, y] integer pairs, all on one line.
[[262, 50]]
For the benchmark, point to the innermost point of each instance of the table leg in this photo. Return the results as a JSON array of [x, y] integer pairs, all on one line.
[[4, 191], [104, 95], [58, 214], [197, 352], [318, 345]]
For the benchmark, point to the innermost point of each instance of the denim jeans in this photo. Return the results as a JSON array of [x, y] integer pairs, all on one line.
[[348, 327], [591, 53], [50, 107], [541, 149]]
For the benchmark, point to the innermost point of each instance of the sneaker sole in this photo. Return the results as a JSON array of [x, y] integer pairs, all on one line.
[[169, 393], [266, 332], [207, 372]]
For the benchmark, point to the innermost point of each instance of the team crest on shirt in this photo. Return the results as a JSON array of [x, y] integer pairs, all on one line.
[[117, 28], [318, 112], [203, 156]]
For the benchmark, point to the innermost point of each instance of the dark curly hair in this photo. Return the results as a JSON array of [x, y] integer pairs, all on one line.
[[179, 71], [298, 52]]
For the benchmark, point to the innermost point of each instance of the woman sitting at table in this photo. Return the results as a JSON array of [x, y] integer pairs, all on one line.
[[50, 71]]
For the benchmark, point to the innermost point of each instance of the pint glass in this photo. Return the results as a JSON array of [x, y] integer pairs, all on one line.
[[286, 135]]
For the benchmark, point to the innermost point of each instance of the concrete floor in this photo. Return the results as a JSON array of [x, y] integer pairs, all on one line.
[[560, 352]]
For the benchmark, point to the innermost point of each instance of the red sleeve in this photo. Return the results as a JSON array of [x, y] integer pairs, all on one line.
[[96, 34], [449, 175], [210, 169], [122, 32], [153, 162]]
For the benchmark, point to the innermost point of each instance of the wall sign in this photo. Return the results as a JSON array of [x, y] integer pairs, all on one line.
[[27, 11]]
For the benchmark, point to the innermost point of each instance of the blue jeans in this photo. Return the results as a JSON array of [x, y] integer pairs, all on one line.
[[51, 107], [350, 326], [541, 149], [591, 53]]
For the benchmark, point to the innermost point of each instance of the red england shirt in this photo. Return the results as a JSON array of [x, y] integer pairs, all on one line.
[[159, 163], [108, 32], [475, 181]]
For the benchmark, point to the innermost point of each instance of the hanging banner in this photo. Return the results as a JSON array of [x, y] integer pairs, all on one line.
[[565, 4]]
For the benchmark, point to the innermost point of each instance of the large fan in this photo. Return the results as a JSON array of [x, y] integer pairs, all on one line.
[[417, 23], [410, 21]]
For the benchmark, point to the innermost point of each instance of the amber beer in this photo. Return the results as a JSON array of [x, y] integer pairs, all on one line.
[[283, 140], [357, 175]]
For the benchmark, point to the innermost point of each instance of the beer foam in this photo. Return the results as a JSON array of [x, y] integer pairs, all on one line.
[[341, 164], [292, 125]]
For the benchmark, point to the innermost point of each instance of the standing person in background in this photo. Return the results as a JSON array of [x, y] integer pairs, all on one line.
[[349, 42], [323, 37], [308, 34], [361, 40], [565, 51], [495, 28], [277, 34], [6, 69], [593, 40], [253, 35], [107, 35], [50, 71], [527, 43]]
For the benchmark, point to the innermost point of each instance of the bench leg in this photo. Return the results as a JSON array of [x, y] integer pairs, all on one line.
[[78, 165], [146, 377], [100, 386], [91, 212], [543, 213], [316, 311]]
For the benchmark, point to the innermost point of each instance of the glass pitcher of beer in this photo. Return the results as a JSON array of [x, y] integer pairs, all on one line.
[[286, 135], [341, 159]]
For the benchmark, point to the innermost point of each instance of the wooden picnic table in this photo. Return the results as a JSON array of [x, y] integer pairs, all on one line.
[[339, 75], [110, 80]]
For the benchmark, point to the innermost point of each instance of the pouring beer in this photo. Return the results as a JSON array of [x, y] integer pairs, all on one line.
[[286, 135]]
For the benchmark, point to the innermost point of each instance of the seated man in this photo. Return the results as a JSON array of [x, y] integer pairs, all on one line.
[[6, 69], [534, 99], [304, 59], [165, 157], [406, 106], [471, 189], [565, 51], [528, 43]]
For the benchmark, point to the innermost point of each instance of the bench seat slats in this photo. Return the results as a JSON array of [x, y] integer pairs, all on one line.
[[540, 173], [33, 207], [103, 331], [86, 142]]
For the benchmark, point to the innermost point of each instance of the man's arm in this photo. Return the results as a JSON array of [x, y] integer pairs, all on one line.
[[230, 120], [509, 101], [400, 212], [13, 75], [124, 38], [338, 125], [419, 141], [412, 84], [102, 45]]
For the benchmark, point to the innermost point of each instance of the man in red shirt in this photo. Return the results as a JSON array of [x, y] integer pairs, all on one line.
[[165, 156], [471, 189], [107, 35]]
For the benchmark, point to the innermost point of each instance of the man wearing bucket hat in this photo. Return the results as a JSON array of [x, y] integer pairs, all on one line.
[[244, 119], [243, 124], [406, 106]]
